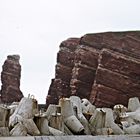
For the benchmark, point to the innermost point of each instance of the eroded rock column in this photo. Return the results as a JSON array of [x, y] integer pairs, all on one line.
[[10, 78]]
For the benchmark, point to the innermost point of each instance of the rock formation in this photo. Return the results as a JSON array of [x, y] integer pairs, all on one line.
[[102, 67], [10, 78], [60, 86]]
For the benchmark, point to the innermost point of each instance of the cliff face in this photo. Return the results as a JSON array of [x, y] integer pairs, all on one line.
[[60, 86], [102, 67], [10, 78]]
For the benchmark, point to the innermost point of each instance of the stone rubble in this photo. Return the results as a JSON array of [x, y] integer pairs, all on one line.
[[72, 116]]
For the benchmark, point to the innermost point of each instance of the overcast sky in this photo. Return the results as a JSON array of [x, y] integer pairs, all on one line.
[[35, 28]]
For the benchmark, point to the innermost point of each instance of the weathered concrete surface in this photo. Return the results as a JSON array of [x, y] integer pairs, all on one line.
[[121, 137], [73, 116]]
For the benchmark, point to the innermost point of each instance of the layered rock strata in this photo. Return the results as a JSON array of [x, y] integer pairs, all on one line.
[[60, 86], [102, 67], [117, 79], [83, 72], [10, 78]]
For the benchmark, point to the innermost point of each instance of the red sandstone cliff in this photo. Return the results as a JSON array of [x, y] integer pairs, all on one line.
[[102, 67]]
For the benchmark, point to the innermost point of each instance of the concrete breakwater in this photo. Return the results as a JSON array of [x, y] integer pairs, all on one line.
[[72, 116]]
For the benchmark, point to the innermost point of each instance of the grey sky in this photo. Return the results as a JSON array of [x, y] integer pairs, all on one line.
[[35, 28]]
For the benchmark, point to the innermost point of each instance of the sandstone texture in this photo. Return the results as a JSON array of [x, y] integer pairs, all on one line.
[[60, 86], [10, 78], [102, 67]]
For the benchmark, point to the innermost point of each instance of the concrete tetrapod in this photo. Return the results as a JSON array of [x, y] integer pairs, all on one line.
[[109, 122], [4, 115], [69, 118], [4, 131], [76, 102], [133, 104], [97, 121], [134, 115], [133, 129], [56, 121], [19, 130], [42, 124], [54, 117], [56, 132], [87, 107], [31, 127], [26, 109]]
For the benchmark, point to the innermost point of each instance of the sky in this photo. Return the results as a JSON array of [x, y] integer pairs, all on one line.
[[34, 29]]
